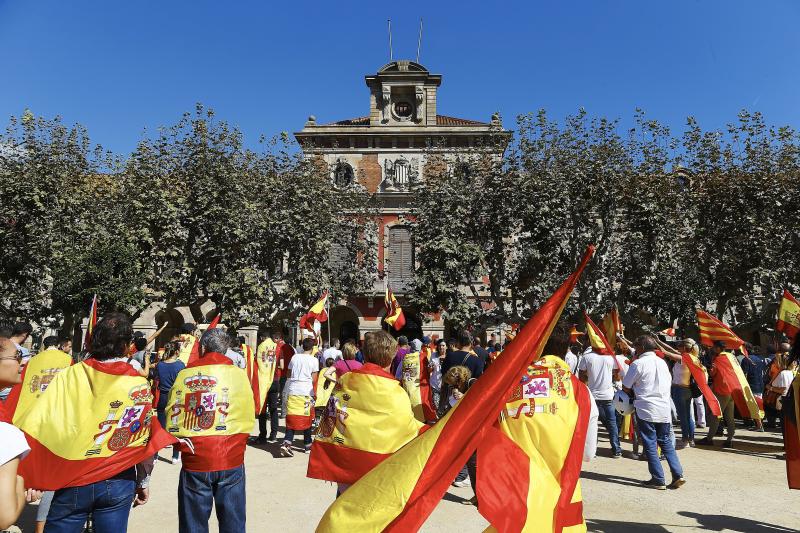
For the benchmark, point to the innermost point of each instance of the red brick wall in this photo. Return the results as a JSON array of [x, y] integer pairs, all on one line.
[[369, 172]]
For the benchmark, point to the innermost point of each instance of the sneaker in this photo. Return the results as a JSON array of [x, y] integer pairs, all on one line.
[[654, 484], [635, 456], [307, 449], [272, 438], [462, 483], [692, 444], [705, 442], [286, 450], [617, 455], [728, 444], [257, 440], [175, 460], [471, 501], [677, 482]]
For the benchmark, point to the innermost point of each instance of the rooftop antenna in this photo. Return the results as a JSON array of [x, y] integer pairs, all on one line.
[[390, 39], [419, 41]]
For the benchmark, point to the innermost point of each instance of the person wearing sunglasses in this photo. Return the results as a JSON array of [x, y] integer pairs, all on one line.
[[13, 446]]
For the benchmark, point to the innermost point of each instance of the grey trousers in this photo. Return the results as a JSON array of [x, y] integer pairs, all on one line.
[[726, 406]]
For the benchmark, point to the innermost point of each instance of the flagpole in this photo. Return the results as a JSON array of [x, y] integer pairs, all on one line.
[[328, 312]]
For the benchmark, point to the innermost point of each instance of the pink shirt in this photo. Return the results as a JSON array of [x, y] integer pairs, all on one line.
[[343, 366]]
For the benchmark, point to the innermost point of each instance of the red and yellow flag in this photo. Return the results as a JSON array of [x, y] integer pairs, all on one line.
[[394, 313], [415, 379], [299, 412], [574, 334], [535, 450], [730, 373], [95, 420], [323, 387], [791, 434], [612, 326], [405, 488], [597, 338], [264, 372], [190, 349], [368, 417], [36, 377], [249, 366], [700, 376], [712, 329], [788, 315], [317, 313]]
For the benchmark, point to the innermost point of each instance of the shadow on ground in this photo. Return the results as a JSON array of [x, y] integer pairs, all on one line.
[[716, 522], [612, 526]]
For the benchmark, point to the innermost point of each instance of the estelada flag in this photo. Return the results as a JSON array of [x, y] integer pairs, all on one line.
[[368, 417], [264, 372], [791, 434], [612, 326], [730, 372], [317, 313], [94, 421], [415, 379], [87, 340], [701, 379], [394, 313], [36, 377], [713, 329], [788, 315], [404, 489], [535, 451]]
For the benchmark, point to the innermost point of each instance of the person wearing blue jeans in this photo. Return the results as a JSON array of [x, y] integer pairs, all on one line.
[[649, 381], [682, 396], [198, 490], [608, 417], [599, 372]]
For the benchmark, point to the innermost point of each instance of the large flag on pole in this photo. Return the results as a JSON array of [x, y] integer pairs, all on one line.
[[394, 313], [90, 325], [713, 329], [597, 338], [788, 315], [95, 420], [701, 379], [317, 314], [405, 488], [612, 326]]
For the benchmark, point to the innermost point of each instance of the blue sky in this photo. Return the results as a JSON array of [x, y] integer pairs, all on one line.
[[124, 67]]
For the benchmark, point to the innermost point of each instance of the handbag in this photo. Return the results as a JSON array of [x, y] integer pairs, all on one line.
[[694, 388]]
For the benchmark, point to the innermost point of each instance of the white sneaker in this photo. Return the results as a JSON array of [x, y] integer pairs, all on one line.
[[462, 483], [286, 450]]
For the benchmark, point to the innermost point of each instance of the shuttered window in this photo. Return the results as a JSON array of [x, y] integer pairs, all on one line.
[[400, 259]]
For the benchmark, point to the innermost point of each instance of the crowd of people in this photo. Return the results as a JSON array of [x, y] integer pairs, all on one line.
[[207, 394]]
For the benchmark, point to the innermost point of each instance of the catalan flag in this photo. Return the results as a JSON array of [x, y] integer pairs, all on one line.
[[317, 313], [91, 324], [368, 417], [791, 434], [404, 489], [612, 326], [95, 421], [37, 375], [597, 338], [394, 313], [788, 315], [713, 329]]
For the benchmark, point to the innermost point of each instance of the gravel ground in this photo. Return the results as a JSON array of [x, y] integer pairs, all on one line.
[[742, 489]]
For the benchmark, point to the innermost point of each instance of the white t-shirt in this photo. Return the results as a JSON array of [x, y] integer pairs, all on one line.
[[130, 360], [783, 381], [333, 353], [651, 382], [572, 361], [236, 358], [12, 443], [598, 368], [301, 367], [681, 374], [590, 446], [623, 369]]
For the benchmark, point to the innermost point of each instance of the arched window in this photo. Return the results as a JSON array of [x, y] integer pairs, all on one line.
[[400, 258]]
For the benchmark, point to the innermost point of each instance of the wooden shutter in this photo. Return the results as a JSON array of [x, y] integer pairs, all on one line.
[[400, 258]]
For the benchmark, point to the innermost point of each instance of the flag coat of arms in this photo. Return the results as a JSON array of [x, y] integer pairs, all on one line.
[[368, 417], [415, 379], [404, 488], [535, 450], [95, 420], [788, 315], [36, 377], [264, 372]]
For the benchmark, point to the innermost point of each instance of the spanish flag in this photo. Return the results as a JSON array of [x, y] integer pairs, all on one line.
[[299, 412], [323, 388], [37, 375], [597, 338], [730, 372], [712, 329], [612, 326], [317, 313], [535, 452], [190, 349], [415, 379], [249, 367], [405, 488], [700, 377], [394, 313], [368, 417], [791, 434], [264, 372], [96, 420], [788, 315]]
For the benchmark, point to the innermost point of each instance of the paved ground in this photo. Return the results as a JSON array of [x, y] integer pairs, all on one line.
[[742, 490]]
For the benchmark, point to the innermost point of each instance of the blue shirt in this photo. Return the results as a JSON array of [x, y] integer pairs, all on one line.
[[167, 372], [754, 368]]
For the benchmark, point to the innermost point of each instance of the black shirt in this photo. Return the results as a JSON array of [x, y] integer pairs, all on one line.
[[459, 357]]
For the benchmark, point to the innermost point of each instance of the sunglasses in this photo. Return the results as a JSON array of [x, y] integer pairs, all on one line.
[[17, 356]]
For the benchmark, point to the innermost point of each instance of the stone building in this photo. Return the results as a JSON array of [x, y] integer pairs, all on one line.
[[385, 151]]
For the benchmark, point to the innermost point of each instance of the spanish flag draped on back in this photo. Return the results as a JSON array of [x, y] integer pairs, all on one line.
[[535, 450], [37, 375], [264, 372], [211, 402], [415, 379], [361, 426], [95, 420], [405, 488]]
